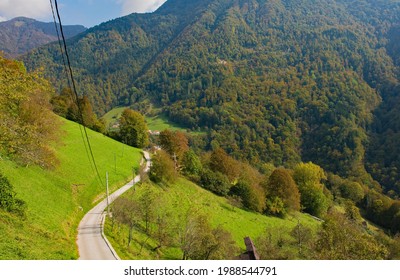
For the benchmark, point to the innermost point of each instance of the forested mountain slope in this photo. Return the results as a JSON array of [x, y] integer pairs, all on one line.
[[270, 80], [20, 35]]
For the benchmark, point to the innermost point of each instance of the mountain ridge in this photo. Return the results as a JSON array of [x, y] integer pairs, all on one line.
[[20, 35], [271, 81]]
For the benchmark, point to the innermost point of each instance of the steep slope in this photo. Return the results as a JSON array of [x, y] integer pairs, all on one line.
[[57, 199], [20, 35], [271, 80]]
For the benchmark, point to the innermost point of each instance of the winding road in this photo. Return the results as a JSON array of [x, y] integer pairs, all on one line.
[[92, 243]]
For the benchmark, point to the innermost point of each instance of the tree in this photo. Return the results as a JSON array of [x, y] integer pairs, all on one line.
[[133, 129], [304, 239], [308, 177], [174, 143], [281, 185], [62, 102], [341, 239], [199, 241], [147, 201], [274, 245], [28, 127], [164, 232], [252, 195], [162, 169], [127, 212], [191, 164], [221, 162], [352, 190], [216, 182], [248, 188]]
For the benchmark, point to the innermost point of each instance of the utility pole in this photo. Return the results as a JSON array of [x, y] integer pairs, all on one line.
[[108, 199], [133, 176], [115, 162]]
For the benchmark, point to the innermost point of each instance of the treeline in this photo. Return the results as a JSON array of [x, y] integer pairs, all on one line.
[[340, 237], [343, 233], [270, 190]]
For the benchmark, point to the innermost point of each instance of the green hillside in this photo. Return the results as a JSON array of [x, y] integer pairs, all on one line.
[[57, 199], [268, 81], [184, 196]]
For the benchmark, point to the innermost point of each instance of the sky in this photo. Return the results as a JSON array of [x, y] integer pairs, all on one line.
[[85, 12]]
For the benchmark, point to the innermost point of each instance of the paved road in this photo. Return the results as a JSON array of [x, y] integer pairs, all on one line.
[[92, 244]]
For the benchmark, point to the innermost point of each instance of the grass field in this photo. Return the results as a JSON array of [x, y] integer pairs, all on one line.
[[112, 116], [185, 195], [57, 199], [158, 122]]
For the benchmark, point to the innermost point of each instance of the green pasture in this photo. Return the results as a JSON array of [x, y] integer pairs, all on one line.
[[57, 199]]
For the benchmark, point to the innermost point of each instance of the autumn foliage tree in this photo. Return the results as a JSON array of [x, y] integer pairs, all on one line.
[[174, 143], [220, 161], [281, 186], [162, 169], [27, 124]]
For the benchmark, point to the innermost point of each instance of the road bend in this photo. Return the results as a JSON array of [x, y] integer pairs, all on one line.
[[92, 243]]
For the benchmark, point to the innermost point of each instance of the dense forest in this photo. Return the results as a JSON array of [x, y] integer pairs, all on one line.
[[270, 81]]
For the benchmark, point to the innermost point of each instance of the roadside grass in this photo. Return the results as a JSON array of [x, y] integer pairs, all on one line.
[[184, 196], [57, 199]]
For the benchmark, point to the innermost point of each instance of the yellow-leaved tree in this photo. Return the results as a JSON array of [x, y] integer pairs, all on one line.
[[27, 123]]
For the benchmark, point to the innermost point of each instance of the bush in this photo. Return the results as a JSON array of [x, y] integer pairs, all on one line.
[[162, 169], [8, 200], [216, 182], [252, 196]]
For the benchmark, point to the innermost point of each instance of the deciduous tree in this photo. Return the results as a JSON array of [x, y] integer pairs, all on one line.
[[280, 184], [162, 169], [133, 129], [308, 177], [174, 143], [27, 125]]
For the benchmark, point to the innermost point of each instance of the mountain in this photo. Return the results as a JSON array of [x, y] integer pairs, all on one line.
[[20, 35], [269, 80]]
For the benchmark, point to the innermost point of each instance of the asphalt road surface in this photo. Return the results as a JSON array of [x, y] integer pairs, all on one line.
[[92, 244]]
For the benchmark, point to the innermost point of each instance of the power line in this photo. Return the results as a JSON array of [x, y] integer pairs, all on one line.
[[71, 76], [60, 46], [69, 84]]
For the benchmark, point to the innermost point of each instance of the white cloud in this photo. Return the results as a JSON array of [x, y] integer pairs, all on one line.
[[139, 6], [37, 9], [2, 19]]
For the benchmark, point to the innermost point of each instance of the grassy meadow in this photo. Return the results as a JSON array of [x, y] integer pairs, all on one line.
[[184, 195], [57, 199], [157, 122]]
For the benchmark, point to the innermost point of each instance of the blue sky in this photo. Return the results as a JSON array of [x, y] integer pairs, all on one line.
[[86, 12]]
